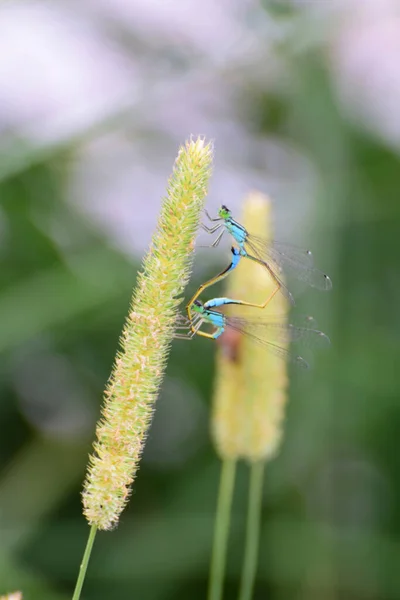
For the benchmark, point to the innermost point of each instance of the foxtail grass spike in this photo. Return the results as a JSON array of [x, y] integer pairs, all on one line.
[[139, 366]]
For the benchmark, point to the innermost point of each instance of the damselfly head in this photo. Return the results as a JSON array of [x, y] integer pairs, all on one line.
[[198, 306], [235, 251], [224, 212]]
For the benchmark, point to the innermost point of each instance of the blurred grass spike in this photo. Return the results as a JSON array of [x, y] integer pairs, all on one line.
[[250, 389], [138, 371], [249, 398]]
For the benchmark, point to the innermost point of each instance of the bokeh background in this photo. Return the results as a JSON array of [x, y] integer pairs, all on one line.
[[302, 99]]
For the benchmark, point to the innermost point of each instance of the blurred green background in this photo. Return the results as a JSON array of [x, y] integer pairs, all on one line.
[[287, 118]]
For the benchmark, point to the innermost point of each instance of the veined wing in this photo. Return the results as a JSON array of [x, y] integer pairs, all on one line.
[[282, 333], [296, 255], [275, 270], [269, 335], [284, 259], [283, 353]]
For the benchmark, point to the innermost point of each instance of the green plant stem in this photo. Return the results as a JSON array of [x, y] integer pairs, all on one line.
[[221, 529], [84, 563], [253, 531]]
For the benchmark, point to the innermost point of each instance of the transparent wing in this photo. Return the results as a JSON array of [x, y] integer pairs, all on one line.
[[270, 334], [278, 332], [300, 256], [283, 353], [284, 259]]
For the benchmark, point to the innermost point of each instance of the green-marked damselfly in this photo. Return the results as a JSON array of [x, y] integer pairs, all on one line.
[[278, 258], [268, 332]]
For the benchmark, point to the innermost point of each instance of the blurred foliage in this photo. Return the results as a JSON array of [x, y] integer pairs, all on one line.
[[331, 516]]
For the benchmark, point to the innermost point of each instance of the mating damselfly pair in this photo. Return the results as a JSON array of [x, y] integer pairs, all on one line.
[[280, 260]]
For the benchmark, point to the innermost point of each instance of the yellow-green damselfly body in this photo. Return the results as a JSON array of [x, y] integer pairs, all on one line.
[[236, 257], [278, 258], [269, 332]]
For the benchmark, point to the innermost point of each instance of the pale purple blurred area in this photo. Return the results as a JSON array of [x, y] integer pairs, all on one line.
[[175, 69]]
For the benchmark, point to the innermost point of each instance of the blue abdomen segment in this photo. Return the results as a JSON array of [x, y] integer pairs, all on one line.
[[216, 319], [215, 302], [218, 332], [238, 232], [236, 256]]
